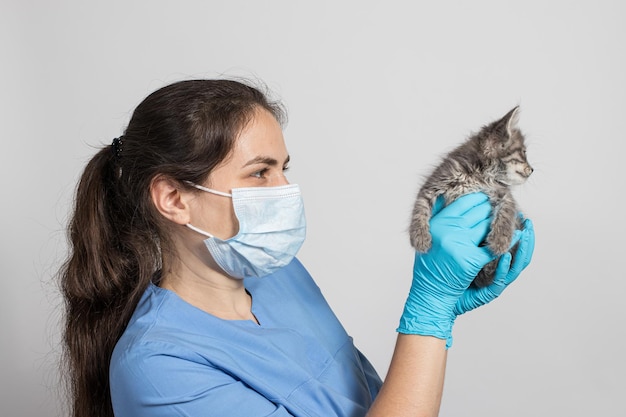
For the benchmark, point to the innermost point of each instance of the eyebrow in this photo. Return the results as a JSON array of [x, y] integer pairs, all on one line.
[[265, 160]]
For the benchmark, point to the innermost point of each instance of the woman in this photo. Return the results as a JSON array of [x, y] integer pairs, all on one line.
[[184, 296]]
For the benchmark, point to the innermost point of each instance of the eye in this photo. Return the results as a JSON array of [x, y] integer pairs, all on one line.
[[260, 173]]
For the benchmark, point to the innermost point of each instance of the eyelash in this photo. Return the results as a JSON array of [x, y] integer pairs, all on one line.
[[260, 173]]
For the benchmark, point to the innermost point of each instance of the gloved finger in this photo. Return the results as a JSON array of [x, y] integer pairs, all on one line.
[[474, 297], [478, 232], [525, 250], [468, 219], [477, 214], [463, 204], [502, 277]]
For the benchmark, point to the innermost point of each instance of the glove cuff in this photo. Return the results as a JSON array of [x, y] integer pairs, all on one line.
[[441, 329]]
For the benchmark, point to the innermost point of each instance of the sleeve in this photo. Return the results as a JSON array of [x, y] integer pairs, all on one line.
[[374, 382], [172, 383]]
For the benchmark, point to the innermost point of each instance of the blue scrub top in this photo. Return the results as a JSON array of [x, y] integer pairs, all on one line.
[[177, 360]]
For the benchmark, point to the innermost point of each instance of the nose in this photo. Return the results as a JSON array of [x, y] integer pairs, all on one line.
[[528, 170], [279, 179]]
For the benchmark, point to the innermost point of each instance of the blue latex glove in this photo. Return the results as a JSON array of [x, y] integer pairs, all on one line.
[[433, 288], [505, 272], [444, 273]]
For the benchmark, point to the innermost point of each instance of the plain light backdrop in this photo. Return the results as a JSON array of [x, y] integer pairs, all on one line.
[[377, 92]]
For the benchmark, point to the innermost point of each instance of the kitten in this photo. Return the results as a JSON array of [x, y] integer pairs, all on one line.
[[491, 161]]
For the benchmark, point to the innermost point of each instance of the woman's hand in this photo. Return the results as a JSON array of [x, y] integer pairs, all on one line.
[[441, 277], [443, 274], [505, 273]]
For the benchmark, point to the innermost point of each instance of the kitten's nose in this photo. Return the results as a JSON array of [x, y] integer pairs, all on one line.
[[528, 170]]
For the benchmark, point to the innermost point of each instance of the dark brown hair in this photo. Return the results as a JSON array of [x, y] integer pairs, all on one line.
[[116, 236]]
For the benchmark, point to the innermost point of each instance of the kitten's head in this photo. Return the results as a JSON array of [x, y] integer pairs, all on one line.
[[502, 144]]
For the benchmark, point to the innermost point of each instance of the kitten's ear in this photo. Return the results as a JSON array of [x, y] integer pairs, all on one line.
[[511, 119]]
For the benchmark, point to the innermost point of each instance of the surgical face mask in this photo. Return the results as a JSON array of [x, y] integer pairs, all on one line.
[[272, 229]]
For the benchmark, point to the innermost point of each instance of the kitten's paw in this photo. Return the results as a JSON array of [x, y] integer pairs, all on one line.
[[498, 243], [421, 240]]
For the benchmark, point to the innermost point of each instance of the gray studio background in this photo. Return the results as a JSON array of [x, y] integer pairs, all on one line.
[[377, 92]]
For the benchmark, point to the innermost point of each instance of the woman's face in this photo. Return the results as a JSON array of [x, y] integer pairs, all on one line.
[[258, 159]]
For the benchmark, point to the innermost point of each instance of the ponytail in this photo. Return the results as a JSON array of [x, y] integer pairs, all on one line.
[[101, 282]]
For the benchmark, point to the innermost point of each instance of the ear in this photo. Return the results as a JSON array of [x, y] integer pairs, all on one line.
[[512, 120], [170, 200]]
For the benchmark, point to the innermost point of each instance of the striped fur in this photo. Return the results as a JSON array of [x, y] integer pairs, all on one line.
[[491, 160]]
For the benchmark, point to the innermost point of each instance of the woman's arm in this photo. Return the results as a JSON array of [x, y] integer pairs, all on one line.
[[414, 384], [441, 291]]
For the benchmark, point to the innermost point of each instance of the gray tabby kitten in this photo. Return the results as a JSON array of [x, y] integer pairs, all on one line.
[[491, 161]]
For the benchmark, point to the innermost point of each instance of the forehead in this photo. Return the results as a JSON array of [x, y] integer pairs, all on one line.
[[261, 136]]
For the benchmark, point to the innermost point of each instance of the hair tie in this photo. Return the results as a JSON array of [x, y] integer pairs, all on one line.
[[116, 147]]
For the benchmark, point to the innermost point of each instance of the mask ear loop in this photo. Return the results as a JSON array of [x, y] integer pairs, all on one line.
[[202, 232], [209, 190]]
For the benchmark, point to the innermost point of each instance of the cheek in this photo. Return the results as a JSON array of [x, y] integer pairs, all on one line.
[[513, 174], [234, 224], [226, 221], [219, 219]]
